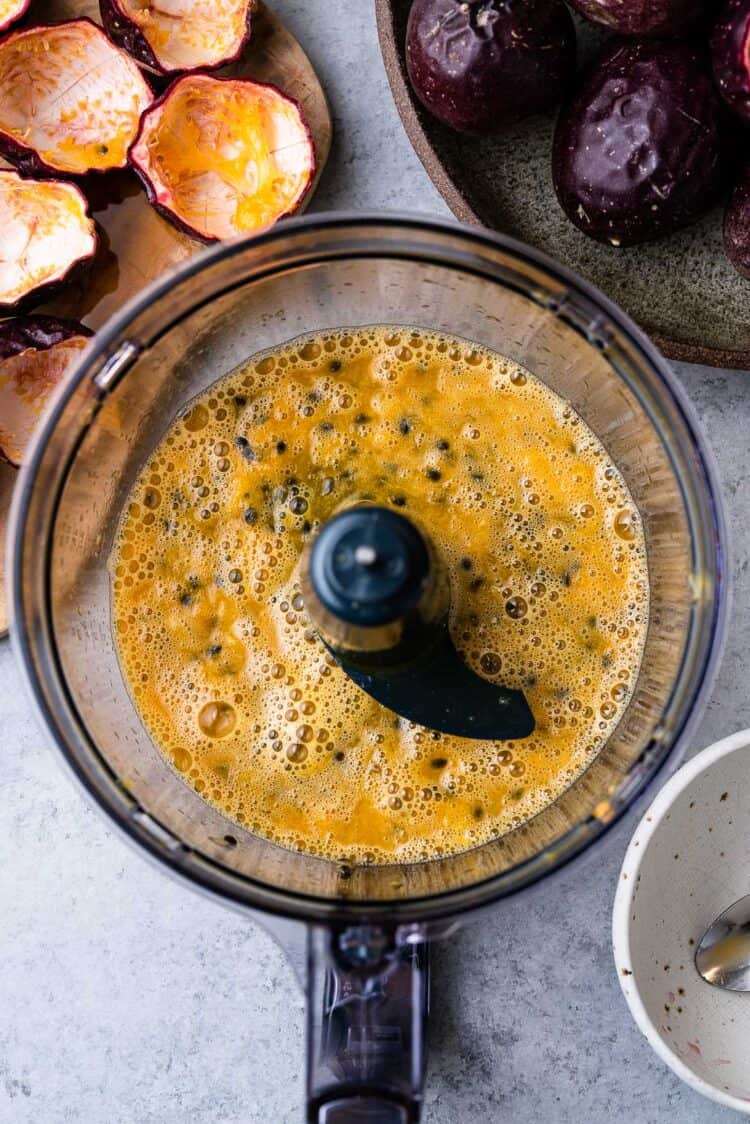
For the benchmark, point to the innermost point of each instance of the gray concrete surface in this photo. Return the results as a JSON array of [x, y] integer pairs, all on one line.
[[125, 999]]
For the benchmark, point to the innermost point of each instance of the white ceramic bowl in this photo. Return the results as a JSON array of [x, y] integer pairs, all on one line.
[[687, 862]]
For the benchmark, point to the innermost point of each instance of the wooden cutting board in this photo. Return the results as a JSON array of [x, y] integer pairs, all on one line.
[[137, 245], [681, 289]]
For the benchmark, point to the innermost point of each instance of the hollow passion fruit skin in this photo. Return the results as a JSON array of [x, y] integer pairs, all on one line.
[[737, 226], [70, 101], [36, 352], [730, 55], [638, 151], [11, 11], [643, 17], [172, 36], [480, 65], [224, 156], [47, 232]]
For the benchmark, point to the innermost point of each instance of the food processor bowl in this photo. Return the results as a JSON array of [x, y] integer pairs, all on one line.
[[369, 924]]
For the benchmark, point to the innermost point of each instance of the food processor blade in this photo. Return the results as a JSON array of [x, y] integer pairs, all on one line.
[[441, 692], [379, 598]]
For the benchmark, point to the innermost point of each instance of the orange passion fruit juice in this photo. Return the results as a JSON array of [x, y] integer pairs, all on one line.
[[537, 528]]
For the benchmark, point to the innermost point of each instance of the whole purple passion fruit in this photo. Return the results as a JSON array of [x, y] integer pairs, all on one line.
[[730, 55], [36, 353], [480, 65], [46, 233], [70, 101], [737, 226], [169, 36], [10, 11], [223, 156], [644, 17], [638, 153]]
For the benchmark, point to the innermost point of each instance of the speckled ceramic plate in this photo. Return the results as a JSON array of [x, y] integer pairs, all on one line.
[[136, 244], [681, 290], [687, 862]]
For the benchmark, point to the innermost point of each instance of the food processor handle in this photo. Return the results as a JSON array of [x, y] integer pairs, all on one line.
[[367, 1001]]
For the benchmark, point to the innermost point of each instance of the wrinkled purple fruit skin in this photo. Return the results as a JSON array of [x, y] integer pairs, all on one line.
[[38, 332], [481, 65], [729, 54], [643, 17], [638, 151], [737, 226], [127, 35]]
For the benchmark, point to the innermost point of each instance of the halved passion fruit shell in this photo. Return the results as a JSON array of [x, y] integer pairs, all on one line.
[[36, 353], [10, 11], [70, 101], [223, 156], [46, 232], [178, 35]]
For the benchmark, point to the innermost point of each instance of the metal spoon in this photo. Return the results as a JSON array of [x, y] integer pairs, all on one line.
[[723, 953]]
